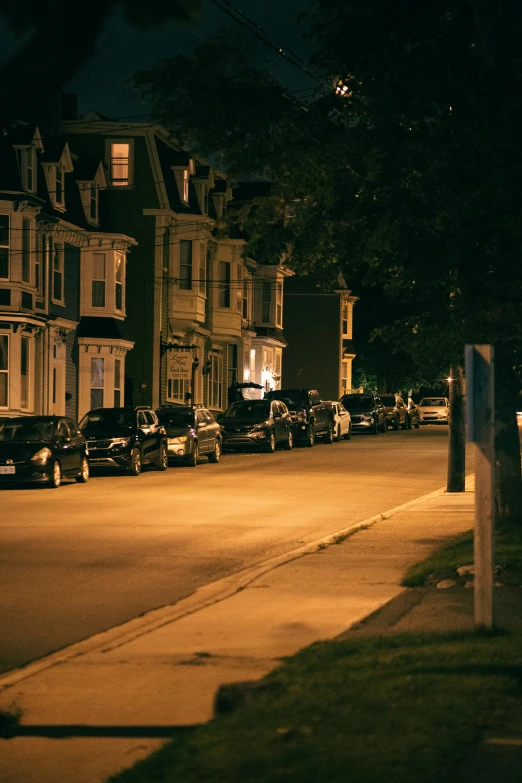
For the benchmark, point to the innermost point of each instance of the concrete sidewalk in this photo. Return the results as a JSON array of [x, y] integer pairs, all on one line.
[[99, 706]]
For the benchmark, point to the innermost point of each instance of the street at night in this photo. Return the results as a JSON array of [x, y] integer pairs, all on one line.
[[84, 558]]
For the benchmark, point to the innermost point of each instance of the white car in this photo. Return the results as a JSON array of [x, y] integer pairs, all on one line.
[[434, 410], [342, 421]]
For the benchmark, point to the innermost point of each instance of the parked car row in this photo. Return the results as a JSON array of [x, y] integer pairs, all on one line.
[[46, 449]]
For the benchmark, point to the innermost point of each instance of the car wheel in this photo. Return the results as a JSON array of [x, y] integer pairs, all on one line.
[[83, 477], [408, 422], [163, 461], [375, 427], [417, 424], [329, 437], [192, 459], [310, 436], [215, 454], [338, 436], [289, 443], [271, 445], [135, 463], [56, 475], [396, 424], [384, 427], [348, 434]]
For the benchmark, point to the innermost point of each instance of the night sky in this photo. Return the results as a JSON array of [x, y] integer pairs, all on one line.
[[122, 50]]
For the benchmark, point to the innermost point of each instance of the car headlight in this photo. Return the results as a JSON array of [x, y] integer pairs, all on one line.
[[120, 442], [178, 440], [41, 456], [262, 426]]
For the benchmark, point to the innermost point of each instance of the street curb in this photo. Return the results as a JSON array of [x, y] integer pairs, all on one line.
[[202, 598]]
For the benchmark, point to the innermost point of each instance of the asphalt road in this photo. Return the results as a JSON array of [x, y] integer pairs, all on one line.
[[83, 558]]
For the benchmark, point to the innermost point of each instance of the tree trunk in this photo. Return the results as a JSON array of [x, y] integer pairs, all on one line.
[[457, 434], [508, 482]]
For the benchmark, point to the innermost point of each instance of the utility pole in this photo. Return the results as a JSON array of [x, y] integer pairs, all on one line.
[[457, 432]]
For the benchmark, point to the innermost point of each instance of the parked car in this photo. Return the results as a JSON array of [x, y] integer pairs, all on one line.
[[125, 438], [413, 414], [42, 450], [310, 415], [258, 424], [367, 412], [342, 421], [192, 431], [396, 411], [434, 410]]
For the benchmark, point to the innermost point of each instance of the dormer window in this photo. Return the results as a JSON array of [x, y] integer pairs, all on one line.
[[29, 164], [185, 195], [183, 170], [90, 177], [93, 203], [59, 185]]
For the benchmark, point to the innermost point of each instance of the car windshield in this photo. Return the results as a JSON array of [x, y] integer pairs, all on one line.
[[432, 402], [253, 409], [26, 431], [112, 417], [388, 400], [176, 418], [357, 401], [292, 399]]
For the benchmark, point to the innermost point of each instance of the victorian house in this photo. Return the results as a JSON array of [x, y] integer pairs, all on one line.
[[201, 315], [63, 344]]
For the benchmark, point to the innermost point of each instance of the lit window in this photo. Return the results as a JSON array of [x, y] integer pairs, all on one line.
[[4, 246], [26, 250], [224, 284], [118, 280], [97, 382], [117, 383], [279, 304], [185, 264], [98, 279], [57, 256], [4, 370], [120, 164]]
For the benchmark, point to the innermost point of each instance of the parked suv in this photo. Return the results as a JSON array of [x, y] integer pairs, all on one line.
[[310, 415], [367, 412], [192, 431], [396, 412], [259, 424], [125, 438]]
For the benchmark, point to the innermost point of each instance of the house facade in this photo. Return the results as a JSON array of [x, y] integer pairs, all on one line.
[[62, 281], [319, 331], [200, 315]]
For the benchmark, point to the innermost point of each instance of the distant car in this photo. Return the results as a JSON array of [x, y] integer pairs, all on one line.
[[342, 421], [259, 424], [434, 410], [367, 412], [192, 432], [42, 450], [396, 411], [125, 438], [413, 414]]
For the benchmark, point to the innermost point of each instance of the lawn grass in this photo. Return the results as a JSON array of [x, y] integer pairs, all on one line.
[[404, 708], [444, 562]]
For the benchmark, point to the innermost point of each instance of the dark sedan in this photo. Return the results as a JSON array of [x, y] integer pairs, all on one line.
[[259, 424], [41, 450], [192, 432]]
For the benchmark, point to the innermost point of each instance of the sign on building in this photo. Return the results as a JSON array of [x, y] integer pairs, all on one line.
[[179, 366]]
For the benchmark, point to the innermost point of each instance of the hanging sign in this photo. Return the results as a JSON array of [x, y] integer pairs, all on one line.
[[179, 365]]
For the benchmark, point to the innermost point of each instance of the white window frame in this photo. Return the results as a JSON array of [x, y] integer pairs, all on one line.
[[94, 202], [59, 179], [7, 246], [279, 304], [58, 251], [26, 271], [5, 372], [344, 319], [118, 385], [177, 389], [225, 284], [97, 387], [119, 283], [186, 284], [215, 382], [29, 169], [97, 280]]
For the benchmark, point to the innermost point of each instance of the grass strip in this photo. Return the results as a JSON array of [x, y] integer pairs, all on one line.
[[444, 562], [404, 708]]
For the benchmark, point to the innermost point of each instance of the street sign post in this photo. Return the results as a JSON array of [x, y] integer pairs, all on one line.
[[481, 431]]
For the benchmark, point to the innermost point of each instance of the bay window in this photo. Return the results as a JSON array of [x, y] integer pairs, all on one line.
[[279, 304], [4, 370], [118, 281], [224, 284], [97, 381], [4, 246], [117, 383], [26, 250], [185, 264], [57, 265], [98, 279]]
